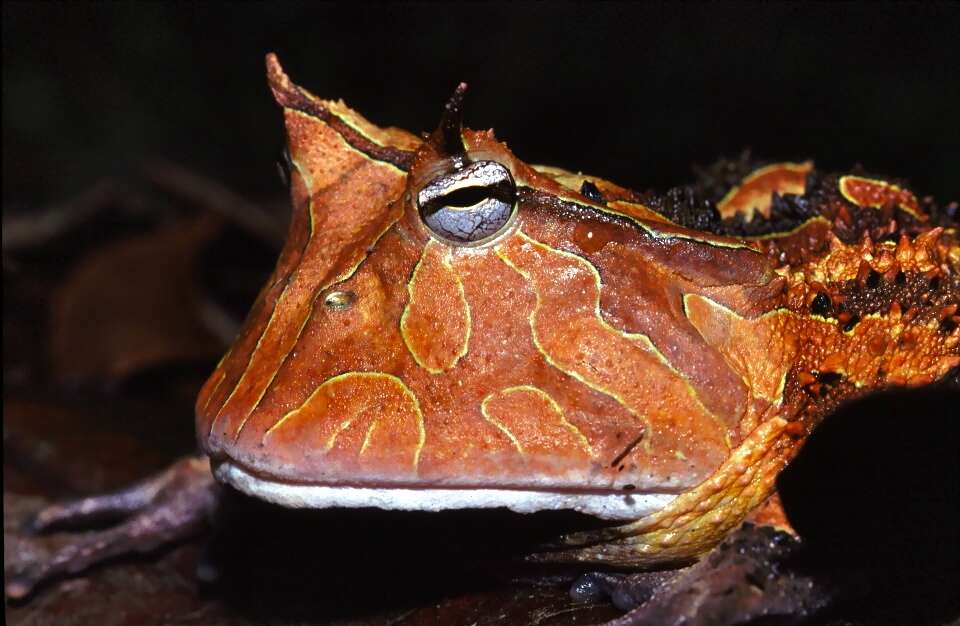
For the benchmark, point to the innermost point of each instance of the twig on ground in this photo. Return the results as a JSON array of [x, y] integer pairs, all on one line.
[[31, 228]]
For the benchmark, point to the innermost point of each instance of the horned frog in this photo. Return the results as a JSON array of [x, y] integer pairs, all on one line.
[[450, 327]]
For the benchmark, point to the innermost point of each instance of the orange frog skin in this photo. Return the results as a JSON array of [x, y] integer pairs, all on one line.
[[450, 327]]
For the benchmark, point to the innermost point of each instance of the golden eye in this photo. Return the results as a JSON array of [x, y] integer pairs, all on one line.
[[339, 300], [470, 205]]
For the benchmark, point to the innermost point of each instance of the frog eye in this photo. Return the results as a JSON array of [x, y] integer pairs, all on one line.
[[470, 205]]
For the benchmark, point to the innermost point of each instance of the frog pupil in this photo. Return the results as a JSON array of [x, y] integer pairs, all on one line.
[[466, 197]]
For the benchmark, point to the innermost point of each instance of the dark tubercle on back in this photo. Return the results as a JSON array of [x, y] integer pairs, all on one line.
[[694, 206], [877, 293], [687, 207]]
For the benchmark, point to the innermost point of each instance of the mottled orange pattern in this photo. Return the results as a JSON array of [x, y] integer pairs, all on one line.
[[594, 344], [756, 191], [866, 192]]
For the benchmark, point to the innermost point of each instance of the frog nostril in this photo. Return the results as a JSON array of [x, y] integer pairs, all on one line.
[[339, 300]]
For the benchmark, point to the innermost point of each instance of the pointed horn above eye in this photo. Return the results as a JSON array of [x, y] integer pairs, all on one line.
[[447, 136], [284, 91], [290, 95]]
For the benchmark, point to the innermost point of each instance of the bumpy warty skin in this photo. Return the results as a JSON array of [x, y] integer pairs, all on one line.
[[630, 355]]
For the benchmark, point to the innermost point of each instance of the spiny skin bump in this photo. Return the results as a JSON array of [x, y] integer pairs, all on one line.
[[603, 339]]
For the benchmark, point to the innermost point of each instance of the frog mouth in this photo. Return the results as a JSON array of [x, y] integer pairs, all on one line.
[[604, 504]]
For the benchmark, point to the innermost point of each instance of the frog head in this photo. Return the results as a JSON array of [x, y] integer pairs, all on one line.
[[450, 327]]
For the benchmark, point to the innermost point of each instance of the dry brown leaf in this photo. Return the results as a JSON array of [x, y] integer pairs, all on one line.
[[131, 305]]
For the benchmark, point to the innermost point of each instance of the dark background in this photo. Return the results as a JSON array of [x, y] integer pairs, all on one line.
[[636, 93]]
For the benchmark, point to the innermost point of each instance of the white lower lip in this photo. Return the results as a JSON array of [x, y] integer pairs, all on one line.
[[612, 506]]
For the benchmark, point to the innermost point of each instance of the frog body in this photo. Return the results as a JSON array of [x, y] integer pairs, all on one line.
[[450, 327]]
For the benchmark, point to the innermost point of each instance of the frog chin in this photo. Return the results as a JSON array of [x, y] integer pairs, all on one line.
[[611, 504]]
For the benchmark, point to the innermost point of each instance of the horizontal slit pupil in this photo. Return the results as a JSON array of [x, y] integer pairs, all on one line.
[[465, 197]]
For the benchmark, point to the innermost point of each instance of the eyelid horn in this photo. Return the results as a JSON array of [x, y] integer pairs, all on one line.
[[447, 139]]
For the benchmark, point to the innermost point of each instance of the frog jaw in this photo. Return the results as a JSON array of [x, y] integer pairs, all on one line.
[[612, 505], [381, 355], [589, 346]]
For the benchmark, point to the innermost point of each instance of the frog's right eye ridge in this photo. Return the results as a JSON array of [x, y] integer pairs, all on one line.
[[470, 205]]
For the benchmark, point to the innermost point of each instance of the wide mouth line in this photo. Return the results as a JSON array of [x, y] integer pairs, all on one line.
[[386, 484], [615, 504]]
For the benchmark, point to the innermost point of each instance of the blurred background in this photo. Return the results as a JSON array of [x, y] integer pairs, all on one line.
[[635, 93]]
